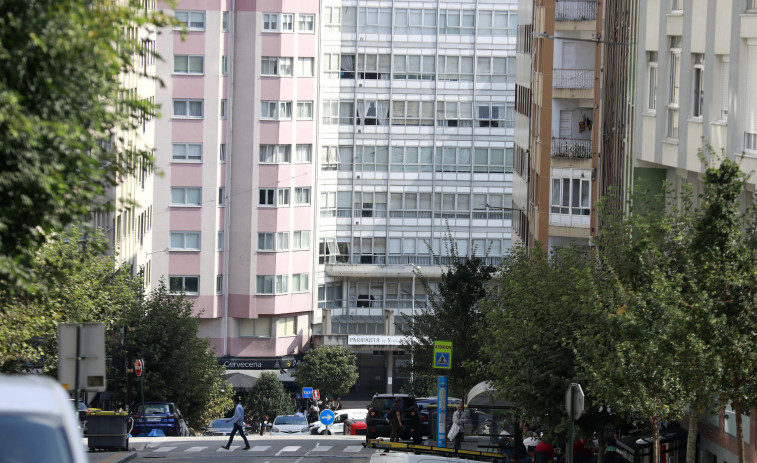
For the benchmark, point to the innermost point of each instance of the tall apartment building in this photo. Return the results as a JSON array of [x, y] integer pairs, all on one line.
[[315, 155]]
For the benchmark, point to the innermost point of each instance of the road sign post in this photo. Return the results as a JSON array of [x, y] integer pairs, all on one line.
[[139, 368], [316, 394], [441, 407], [327, 417], [574, 404]]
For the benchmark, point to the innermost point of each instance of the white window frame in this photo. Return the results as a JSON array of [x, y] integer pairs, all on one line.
[[305, 110], [652, 81], [305, 66], [276, 66], [225, 21], [219, 284], [302, 196], [224, 65], [301, 240], [558, 196], [306, 23], [286, 327], [674, 88], [188, 59], [457, 22], [185, 191], [224, 107], [222, 153], [303, 153], [278, 22], [184, 279], [185, 237], [697, 85], [274, 197], [260, 328], [275, 154], [275, 110], [187, 104], [300, 282], [750, 142], [219, 241], [187, 156], [454, 68], [191, 20], [221, 196]]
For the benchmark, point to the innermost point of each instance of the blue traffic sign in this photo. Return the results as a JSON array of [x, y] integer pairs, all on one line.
[[441, 360], [327, 417], [307, 392]]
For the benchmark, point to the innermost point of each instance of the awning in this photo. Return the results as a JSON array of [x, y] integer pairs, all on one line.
[[483, 395], [243, 380]]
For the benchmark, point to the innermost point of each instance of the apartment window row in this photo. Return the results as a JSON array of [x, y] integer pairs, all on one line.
[[280, 284], [409, 113], [279, 154], [261, 327], [282, 110], [523, 100], [571, 194], [281, 197], [276, 66], [382, 66], [279, 241], [421, 21], [191, 20], [284, 22]]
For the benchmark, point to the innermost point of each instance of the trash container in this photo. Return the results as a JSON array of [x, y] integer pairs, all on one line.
[[107, 430]]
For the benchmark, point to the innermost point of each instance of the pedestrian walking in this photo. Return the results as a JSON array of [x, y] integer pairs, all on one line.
[[263, 424], [238, 425], [458, 418], [395, 418]]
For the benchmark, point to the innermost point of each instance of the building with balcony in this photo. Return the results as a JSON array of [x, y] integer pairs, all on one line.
[[316, 155]]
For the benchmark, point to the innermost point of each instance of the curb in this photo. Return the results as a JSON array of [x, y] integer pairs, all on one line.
[[119, 457]]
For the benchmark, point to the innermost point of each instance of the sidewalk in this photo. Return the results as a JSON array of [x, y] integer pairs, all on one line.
[[111, 457]]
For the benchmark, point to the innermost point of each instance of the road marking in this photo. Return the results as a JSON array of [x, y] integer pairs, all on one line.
[[353, 448], [288, 448], [322, 448], [260, 448], [299, 460], [163, 449], [231, 449], [195, 449]]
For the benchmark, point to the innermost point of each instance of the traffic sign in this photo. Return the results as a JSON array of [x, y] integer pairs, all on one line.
[[81, 350], [327, 417], [307, 392], [574, 401], [139, 366], [316, 394], [443, 354]]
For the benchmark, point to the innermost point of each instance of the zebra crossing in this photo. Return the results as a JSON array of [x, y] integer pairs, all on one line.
[[260, 450]]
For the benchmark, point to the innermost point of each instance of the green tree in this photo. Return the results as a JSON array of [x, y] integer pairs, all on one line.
[[268, 397], [62, 116], [332, 369], [180, 367], [451, 314]]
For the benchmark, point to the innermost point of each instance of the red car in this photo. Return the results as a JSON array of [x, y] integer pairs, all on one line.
[[354, 427]]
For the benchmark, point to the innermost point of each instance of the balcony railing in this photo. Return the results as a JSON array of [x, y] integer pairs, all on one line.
[[576, 148], [573, 78], [575, 10]]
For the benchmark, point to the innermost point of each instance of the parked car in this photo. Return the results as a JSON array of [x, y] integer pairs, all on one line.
[[428, 405], [340, 417], [376, 420], [163, 416], [219, 427], [290, 424], [37, 421], [354, 428]]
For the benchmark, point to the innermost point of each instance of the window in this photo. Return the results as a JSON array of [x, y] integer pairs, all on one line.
[[189, 152], [456, 22], [338, 112], [493, 160], [372, 112], [255, 327], [414, 67], [414, 21], [188, 64], [221, 197], [306, 23], [224, 65], [272, 284], [301, 240], [410, 205], [412, 159], [192, 20], [276, 66], [274, 197], [303, 154], [304, 110], [270, 154], [371, 158], [452, 159], [305, 67], [750, 141], [330, 158], [302, 196], [698, 85], [724, 76], [222, 152], [570, 196], [184, 284], [370, 204], [187, 241], [276, 110], [219, 239], [332, 17], [495, 115], [186, 196], [651, 80], [375, 20], [300, 283], [455, 68], [287, 326], [496, 69], [674, 86], [219, 284], [278, 22], [413, 113], [676, 6], [188, 109], [225, 21], [374, 67], [224, 104], [454, 114], [497, 23], [266, 242]]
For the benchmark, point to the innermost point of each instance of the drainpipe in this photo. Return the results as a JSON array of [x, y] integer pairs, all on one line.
[[227, 190]]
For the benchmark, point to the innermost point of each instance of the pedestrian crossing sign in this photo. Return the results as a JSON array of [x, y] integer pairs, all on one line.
[[443, 354]]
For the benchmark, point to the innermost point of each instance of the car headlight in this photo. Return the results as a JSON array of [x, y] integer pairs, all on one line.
[[305, 429], [275, 429]]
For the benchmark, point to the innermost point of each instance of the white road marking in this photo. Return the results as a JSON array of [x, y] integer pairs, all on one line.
[[260, 448], [164, 449], [288, 448], [353, 448], [231, 449], [195, 449], [322, 448]]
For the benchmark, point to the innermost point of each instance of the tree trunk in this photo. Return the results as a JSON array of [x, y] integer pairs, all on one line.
[[691, 438], [655, 440], [739, 431]]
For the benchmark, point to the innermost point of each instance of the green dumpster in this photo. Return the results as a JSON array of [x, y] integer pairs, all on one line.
[[107, 430]]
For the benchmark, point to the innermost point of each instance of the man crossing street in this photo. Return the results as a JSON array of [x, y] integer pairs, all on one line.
[[238, 425]]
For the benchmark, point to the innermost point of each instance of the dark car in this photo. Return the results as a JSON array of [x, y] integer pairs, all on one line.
[[429, 405], [163, 416], [376, 420]]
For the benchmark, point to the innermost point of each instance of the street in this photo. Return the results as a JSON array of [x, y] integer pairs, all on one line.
[[273, 449]]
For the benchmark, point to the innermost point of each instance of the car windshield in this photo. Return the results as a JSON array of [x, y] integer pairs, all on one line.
[[34, 438], [291, 419], [220, 423], [154, 409]]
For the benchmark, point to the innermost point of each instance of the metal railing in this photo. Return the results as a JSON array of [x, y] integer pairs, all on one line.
[[575, 10], [573, 78], [576, 148]]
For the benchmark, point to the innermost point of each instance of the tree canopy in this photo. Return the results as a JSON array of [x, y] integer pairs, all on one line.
[[332, 369], [267, 397]]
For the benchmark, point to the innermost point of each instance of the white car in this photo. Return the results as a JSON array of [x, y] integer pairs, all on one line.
[[386, 456], [38, 421], [337, 427], [290, 424]]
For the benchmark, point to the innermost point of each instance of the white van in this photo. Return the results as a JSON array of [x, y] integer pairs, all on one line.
[[338, 426], [402, 457]]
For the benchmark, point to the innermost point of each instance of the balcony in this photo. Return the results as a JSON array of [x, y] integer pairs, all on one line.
[[576, 79], [574, 148], [575, 10]]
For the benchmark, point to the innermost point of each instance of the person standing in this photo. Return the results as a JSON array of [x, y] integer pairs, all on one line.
[[395, 418], [238, 425], [458, 418], [338, 404]]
